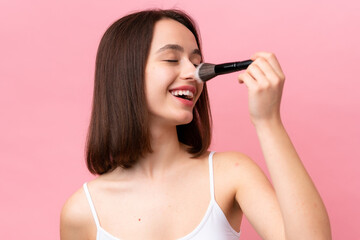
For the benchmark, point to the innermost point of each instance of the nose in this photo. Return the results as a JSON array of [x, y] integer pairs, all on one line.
[[188, 70]]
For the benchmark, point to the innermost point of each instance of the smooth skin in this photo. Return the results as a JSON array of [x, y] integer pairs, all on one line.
[[301, 212], [166, 194]]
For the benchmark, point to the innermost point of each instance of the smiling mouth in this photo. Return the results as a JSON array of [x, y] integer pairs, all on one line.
[[184, 94]]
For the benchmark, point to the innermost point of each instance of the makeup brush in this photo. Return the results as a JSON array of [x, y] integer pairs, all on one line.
[[207, 71]]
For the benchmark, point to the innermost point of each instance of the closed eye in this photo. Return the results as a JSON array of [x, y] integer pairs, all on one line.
[[175, 61]]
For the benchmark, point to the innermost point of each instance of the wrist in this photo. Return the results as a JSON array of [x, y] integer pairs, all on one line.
[[269, 123]]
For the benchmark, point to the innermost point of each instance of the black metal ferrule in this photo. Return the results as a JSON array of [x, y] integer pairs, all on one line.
[[231, 67]]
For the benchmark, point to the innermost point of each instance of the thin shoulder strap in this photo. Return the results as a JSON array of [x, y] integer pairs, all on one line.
[[91, 205], [211, 174]]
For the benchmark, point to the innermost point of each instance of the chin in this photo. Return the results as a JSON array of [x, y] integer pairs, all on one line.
[[186, 119]]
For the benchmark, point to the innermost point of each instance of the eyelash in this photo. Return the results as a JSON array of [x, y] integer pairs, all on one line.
[[175, 61]]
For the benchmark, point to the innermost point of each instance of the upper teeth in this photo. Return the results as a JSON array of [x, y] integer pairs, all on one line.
[[182, 92]]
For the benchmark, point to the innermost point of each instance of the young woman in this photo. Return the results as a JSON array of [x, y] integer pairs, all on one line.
[[148, 142]]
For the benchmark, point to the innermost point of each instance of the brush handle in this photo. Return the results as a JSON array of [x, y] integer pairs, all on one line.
[[231, 67]]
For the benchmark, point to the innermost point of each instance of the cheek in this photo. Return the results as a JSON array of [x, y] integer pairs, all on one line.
[[157, 82], [158, 78], [200, 88]]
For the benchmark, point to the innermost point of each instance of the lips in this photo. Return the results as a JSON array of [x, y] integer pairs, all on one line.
[[185, 88], [185, 94]]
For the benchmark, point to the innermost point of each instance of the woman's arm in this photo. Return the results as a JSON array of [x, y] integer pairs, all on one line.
[[303, 213]]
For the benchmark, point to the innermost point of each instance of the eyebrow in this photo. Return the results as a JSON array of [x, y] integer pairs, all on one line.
[[179, 48]]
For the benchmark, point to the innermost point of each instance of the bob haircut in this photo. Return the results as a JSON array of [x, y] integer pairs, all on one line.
[[118, 133]]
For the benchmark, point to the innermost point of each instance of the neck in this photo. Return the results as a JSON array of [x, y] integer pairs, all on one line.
[[166, 156]]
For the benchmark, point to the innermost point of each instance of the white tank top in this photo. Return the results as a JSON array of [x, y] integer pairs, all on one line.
[[213, 226]]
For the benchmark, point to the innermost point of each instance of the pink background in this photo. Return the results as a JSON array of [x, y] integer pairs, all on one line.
[[47, 55]]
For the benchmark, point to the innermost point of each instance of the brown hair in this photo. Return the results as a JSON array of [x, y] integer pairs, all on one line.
[[118, 133]]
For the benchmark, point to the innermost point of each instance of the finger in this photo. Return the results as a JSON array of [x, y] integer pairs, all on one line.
[[257, 74], [267, 70], [248, 80], [271, 58]]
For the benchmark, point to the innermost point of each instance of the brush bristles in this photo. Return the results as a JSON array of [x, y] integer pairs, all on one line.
[[205, 72]]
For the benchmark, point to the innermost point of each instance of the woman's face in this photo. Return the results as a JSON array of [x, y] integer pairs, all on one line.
[[170, 88]]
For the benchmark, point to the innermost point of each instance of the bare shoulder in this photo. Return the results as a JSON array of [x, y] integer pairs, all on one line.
[[234, 161], [75, 218], [239, 168], [253, 192]]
